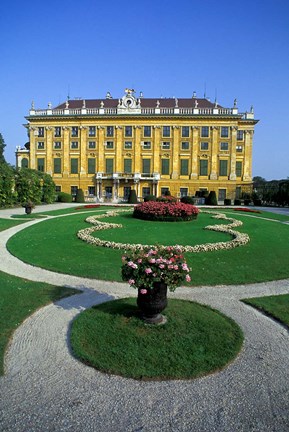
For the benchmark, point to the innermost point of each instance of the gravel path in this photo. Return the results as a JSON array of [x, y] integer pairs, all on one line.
[[46, 389]]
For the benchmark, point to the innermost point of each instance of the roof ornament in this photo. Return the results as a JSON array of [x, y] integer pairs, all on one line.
[[32, 105], [196, 103], [141, 94], [83, 104], [101, 104], [129, 91], [66, 104], [194, 94], [176, 103], [216, 103], [235, 103], [138, 103], [49, 105], [252, 109], [108, 95], [119, 103], [158, 103]]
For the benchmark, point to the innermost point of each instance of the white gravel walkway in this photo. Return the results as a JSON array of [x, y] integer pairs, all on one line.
[[46, 389]]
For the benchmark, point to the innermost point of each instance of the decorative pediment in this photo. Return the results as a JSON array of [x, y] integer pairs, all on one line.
[[129, 104]]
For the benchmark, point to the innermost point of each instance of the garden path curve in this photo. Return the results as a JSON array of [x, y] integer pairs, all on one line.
[[46, 389]]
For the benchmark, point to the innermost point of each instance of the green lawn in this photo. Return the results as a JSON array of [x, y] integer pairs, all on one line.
[[8, 223], [19, 298], [274, 306], [266, 257], [196, 340]]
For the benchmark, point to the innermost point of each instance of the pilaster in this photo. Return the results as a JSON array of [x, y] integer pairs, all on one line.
[[156, 148], [175, 153], [83, 145], [214, 152], [233, 153], [195, 151], [49, 143], [100, 149]]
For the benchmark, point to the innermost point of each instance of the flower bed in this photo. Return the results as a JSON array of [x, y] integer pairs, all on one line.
[[87, 206], [239, 239], [165, 211], [246, 210]]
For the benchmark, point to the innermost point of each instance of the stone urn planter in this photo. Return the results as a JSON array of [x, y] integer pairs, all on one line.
[[152, 302], [28, 206]]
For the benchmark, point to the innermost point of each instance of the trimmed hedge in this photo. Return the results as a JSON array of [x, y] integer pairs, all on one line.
[[187, 200], [64, 197], [227, 201]]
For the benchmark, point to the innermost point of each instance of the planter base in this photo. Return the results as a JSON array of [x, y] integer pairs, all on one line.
[[158, 319]]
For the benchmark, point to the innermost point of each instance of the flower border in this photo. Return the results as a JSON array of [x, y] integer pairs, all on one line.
[[239, 239]]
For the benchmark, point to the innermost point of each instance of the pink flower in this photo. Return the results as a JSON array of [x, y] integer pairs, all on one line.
[[139, 260], [148, 270], [188, 278], [176, 267], [161, 266], [143, 291], [131, 281], [152, 260], [132, 264]]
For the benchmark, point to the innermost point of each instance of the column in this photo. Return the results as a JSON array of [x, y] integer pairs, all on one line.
[[32, 140], [233, 153], [194, 152], [100, 149], [248, 155], [214, 152], [176, 152], [156, 148], [49, 145], [83, 146], [118, 149], [66, 152]]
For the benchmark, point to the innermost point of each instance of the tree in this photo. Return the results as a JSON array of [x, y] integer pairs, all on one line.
[[35, 186], [2, 147], [7, 196]]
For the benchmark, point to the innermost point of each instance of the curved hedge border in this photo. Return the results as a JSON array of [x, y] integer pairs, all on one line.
[[239, 239]]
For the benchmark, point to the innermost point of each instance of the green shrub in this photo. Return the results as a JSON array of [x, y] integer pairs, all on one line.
[[227, 201], [132, 198], [257, 202], [79, 196], [212, 199], [149, 198], [64, 197], [187, 200], [237, 202], [247, 201], [166, 199]]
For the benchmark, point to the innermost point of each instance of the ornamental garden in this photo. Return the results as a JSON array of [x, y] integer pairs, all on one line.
[[193, 247]]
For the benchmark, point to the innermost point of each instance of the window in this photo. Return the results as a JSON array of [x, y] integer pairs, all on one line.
[[126, 192], [74, 166], [91, 166], [166, 145], [57, 189], [41, 131], [240, 135], [166, 131], [223, 167], [239, 169], [165, 191], [109, 145], [108, 192], [109, 166], [74, 131], [57, 131], [40, 164], [185, 131], [185, 145], [24, 163], [146, 191], [205, 131], [73, 190], [224, 131], [203, 167], [128, 145], [40, 145], [147, 131], [204, 146], [91, 131], [184, 167], [224, 146], [91, 190], [239, 148], [109, 131], [128, 131], [165, 166], [238, 192], [222, 194], [183, 192], [146, 166], [127, 166], [57, 165], [57, 145], [147, 145], [91, 145], [74, 145]]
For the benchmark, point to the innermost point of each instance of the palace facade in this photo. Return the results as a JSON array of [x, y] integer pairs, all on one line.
[[109, 146]]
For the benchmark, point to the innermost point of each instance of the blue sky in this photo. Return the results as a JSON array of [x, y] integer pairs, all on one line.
[[161, 47]]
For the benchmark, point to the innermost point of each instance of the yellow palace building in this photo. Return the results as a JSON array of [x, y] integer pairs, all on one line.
[[109, 146]]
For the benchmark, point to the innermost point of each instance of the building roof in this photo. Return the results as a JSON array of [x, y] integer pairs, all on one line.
[[144, 103]]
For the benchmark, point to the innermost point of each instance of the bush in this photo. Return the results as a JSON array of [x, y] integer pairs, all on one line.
[[132, 198], [79, 196], [212, 199], [237, 202], [227, 201], [161, 211], [64, 197], [247, 201], [166, 199], [187, 200], [149, 198]]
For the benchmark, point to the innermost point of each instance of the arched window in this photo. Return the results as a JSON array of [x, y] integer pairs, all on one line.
[[24, 163]]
